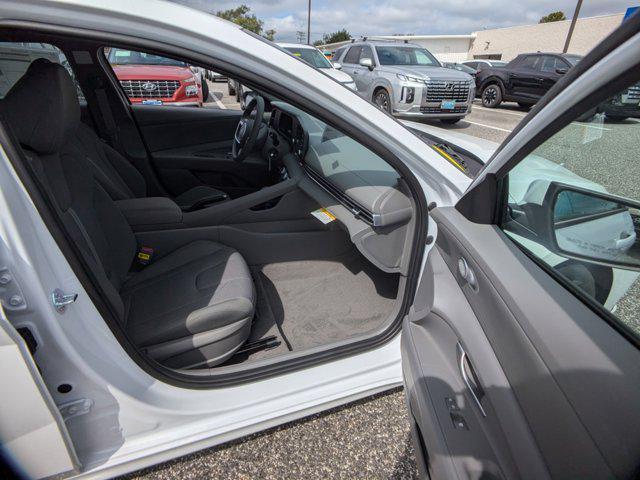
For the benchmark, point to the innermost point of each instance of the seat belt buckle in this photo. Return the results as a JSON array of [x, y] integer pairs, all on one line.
[[144, 255]]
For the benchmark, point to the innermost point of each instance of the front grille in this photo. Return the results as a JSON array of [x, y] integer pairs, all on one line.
[[438, 90], [440, 110], [634, 93], [143, 89]]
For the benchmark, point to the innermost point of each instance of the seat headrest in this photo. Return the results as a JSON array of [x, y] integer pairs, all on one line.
[[42, 108]]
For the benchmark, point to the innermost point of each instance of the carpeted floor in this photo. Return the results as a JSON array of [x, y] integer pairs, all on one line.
[[316, 302]]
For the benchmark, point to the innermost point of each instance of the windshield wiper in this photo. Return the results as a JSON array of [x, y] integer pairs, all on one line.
[[449, 154]]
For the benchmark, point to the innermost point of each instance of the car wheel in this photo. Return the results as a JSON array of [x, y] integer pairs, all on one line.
[[587, 116], [382, 100], [526, 106], [491, 96], [595, 280], [232, 89], [450, 121], [205, 90]]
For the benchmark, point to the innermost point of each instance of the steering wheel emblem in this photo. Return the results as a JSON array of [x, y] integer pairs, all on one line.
[[149, 86]]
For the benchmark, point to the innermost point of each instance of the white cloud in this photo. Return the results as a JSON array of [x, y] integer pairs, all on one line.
[[371, 17]]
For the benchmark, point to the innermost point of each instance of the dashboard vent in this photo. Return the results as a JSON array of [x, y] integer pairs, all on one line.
[[357, 210]]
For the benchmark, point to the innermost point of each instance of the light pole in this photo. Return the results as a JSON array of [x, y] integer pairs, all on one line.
[[309, 24], [573, 25]]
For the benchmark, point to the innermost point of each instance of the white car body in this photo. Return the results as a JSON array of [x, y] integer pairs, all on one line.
[[121, 418], [335, 73]]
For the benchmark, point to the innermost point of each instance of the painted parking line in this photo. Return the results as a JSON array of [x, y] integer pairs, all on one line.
[[495, 110], [487, 126], [218, 102]]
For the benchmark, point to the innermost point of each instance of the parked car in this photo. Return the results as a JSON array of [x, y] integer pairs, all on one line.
[[461, 67], [623, 105], [480, 64], [524, 80], [153, 80], [317, 59], [406, 80], [192, 275]]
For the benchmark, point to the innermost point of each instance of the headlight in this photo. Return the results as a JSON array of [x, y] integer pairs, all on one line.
[[192, 90], [409, 78]]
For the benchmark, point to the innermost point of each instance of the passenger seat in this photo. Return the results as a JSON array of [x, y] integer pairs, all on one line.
[[191, 308]]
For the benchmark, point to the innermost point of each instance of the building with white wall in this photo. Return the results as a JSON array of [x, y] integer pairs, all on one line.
[[506, 43]]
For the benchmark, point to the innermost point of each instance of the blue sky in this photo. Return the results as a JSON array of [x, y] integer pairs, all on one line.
[[382, 17]]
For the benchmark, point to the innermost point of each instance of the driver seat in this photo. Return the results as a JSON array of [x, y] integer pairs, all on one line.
[[123, 181]]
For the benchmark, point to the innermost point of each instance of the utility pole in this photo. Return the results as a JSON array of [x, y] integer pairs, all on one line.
[[573, 25], [309, 24]]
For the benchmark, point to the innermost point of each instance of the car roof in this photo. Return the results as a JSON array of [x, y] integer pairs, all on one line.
[[297, 45], [384, 43]]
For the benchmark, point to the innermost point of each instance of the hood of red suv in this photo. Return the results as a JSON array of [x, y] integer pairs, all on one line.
[[152, 72]]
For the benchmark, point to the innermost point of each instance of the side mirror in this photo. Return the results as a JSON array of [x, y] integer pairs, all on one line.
[[561, 71], [594, 227], [337, 66], [366, 62]]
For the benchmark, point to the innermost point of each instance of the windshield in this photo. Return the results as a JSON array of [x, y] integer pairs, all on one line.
[[310, 55], [498, 64], [405, 56], [128, 57]]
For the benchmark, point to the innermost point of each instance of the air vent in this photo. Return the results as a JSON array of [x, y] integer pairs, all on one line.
[[357, 210]]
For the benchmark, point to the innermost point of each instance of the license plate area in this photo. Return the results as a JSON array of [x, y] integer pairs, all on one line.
[[448, 104]]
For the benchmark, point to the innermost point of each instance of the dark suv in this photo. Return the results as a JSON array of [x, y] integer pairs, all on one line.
[[525, 79]]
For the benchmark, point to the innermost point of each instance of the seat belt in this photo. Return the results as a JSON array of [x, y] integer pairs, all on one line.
[[107, 120], [77, 231]]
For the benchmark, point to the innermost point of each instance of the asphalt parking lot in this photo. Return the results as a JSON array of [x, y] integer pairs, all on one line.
[[370, 438]]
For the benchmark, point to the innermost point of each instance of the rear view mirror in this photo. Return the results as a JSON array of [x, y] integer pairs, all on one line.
[[595, 227], [337, 66], [366, 62]]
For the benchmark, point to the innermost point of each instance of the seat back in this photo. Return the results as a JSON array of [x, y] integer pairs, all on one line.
[[43, 112]]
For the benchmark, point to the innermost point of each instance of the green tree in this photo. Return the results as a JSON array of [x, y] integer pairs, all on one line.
[[242, 16], [339, 36], [553, 17]]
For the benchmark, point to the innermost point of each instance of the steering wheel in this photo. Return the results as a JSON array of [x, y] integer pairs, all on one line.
[[248, 128]]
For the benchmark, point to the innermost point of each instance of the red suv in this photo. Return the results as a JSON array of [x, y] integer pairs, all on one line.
[[153, 80]]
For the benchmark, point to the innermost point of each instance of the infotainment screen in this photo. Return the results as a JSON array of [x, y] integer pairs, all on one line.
[[285, 125]]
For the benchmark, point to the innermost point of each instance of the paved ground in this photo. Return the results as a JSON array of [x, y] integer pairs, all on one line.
[[370, 438], [366, 439]]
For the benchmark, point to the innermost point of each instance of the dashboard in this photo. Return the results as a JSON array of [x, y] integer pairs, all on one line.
[[365, 194]]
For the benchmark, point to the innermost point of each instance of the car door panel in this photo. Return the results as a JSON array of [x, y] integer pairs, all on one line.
[[573, 376], [191, 146]]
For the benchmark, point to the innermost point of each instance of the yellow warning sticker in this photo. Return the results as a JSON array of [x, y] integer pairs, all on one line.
[[324, 215]]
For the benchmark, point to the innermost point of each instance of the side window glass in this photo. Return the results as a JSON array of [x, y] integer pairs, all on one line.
[[551, 64], [574, 204], [15, 58], [366, 53], [353, 55], [149, 79], [529, 63]]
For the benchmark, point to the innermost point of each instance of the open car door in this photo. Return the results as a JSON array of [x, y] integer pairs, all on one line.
[[30, 420], [521, 355]]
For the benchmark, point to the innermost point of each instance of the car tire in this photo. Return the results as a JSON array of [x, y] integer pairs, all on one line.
[[450, 121], [491, 96], [205, 90], [587, 116], [232, 89], [526, 106], [382, 100]]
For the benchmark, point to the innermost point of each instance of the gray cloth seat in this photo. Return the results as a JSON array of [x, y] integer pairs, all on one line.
[[192, 307], [123, 181]]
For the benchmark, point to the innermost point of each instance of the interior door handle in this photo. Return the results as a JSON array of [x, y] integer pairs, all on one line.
[[473, 386]]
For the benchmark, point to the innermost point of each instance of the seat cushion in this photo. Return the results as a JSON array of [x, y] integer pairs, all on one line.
[[198, 197], [197, 297]]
